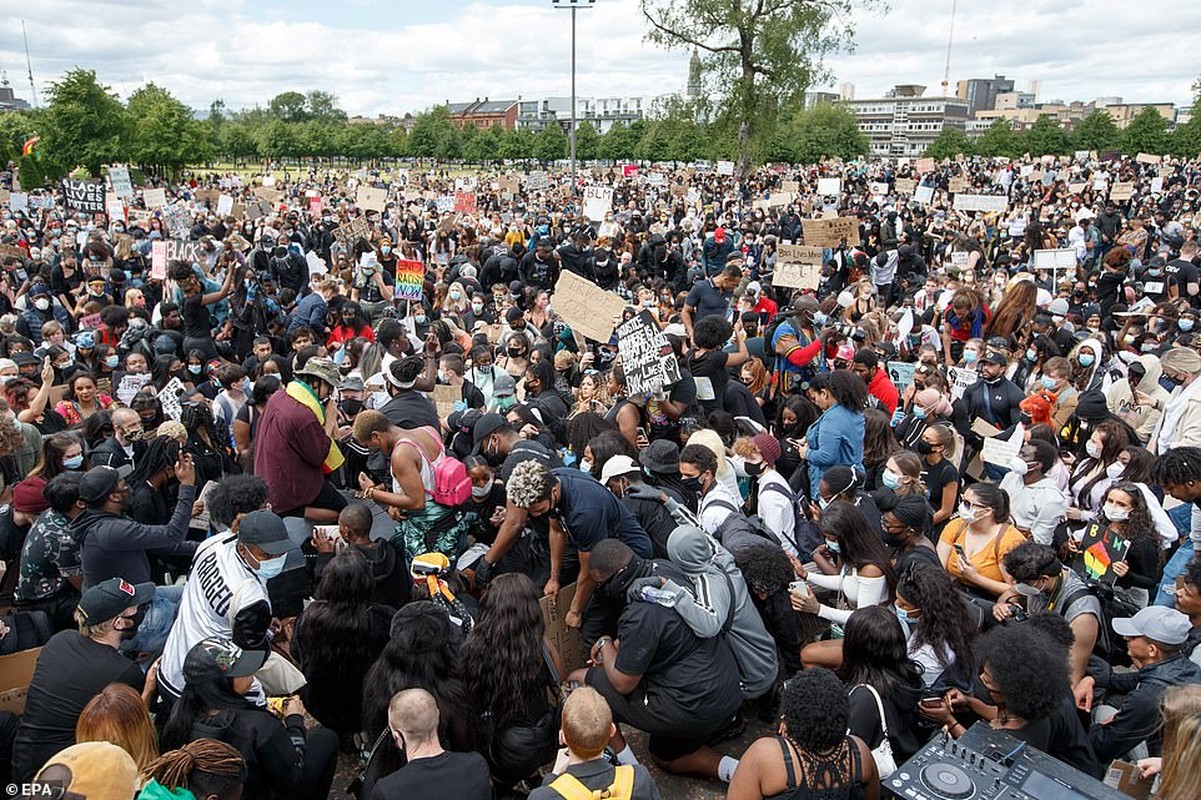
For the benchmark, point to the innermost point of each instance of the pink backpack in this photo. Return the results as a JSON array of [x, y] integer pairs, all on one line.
[[452, 487]]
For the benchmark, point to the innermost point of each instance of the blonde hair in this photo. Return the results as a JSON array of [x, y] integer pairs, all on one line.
[[911, 467], [119, 716], [1181, 707], [92, 631], [587, 722]]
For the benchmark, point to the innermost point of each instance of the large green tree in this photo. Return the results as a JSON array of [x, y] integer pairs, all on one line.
[[1097, 132], [433, 133], [949, 143], [998, 140], [164, 135], [1146, 133], [621, 141], [822, 131], [84, 124], [1186, 140], [1045, 137], [587, 141], [552, 144], [760, 54], [288, 107]]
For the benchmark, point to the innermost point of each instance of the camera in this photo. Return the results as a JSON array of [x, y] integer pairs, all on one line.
[[850, 331]]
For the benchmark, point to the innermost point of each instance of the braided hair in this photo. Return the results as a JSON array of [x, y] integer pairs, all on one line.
[[204, 767], [1178, 466]]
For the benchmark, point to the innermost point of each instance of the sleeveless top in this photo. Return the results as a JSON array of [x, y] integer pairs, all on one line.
[[833, 777], [427, 465]]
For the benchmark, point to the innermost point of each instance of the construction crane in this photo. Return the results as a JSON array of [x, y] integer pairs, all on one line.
[[946, 75]]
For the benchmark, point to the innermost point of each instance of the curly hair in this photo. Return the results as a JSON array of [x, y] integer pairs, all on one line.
[[1030, 561], [847, 388], [1178, 466], [530, 483], [816, 710], [765, 567], [1027, 668], [944, 623], [234, 495], [711, 332], [1139, 525], [205, 767], [583, 427], [501, 661]]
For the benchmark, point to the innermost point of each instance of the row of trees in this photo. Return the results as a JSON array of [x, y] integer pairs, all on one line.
[[1148, 132], [86, 125]]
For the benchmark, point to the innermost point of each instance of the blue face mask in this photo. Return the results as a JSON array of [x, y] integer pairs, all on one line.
[[111, 361], [890, 479], [1185, 325], [74, 462], [195, 368], [271, 567], [970, 356], [820, 319], [919, 412], [1049, 382], [1032, 355], [902, 615], [833, 546], [1086, 359]]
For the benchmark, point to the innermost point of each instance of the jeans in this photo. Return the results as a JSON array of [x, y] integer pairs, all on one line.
[[1186, 517], [152, 633]]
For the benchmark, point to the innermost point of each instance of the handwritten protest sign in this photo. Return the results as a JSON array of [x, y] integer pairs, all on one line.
[[113, 206], [924, 165], [130, 384], [169, 398], [445, 203], [1157, 184], [352, 231], [1000, 451], [155, 198], [371, 199], [1122, 190], [957, 185], [537, 181], [587, 308], [410, 279], [565, 640], [901, 373], [158, 260], [905, 186], [725, 167], [85, 196], [961, 378], [598, 200], [119, 178], [18, 201], [646, 355], [924, 194], [509, 184], [445, 398], [179, 221], [184, 250], [1148, 158], [272, 196], [465, 202], [981, 202], [798, 266], [831, 232], [225, 205], [778, 199]]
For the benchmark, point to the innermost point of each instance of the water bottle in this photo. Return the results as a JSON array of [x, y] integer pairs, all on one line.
[[663, 597]]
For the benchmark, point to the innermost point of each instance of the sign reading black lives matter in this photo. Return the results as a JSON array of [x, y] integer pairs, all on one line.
[[84, 196], [646, 355]]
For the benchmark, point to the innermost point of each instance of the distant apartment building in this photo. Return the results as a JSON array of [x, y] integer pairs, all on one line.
[[9, 100], [905, 122], [602, 112], [981, 93], [484, 113]]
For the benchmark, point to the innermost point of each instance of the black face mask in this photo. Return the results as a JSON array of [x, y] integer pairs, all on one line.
[[135, 622], [752, 469], [692, 485], [351, 407], [924, 447], [891, 539]]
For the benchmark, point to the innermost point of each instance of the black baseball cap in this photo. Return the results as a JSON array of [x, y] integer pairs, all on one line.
[[484, 427], [106, 600], [98, 483], [266, 531], [215, 657]]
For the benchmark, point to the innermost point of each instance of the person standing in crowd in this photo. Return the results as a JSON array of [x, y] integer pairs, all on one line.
[[837, 436]]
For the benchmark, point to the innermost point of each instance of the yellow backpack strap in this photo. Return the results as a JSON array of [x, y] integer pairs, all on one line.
[[622, 788], [623, 783], [570, 788]]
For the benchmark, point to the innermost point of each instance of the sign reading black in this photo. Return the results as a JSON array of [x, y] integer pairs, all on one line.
[[84, 196]]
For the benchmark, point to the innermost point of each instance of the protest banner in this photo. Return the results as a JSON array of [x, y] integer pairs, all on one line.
[[981, 202], [924, 194], [315, 206], [905, 186], [1064, 258], [183, 250], [598, 201], [725, 167], [960, 258], [878, 188], [18, 201], [1147, 158], [1076, 188], [272, 196], [225, 205], [901, 373], [256, 208], [1122, 190], [445, 398], [155, 198], [656, 179], [629, 170], [829, 186], [537, 181], [465, 203], [85, 196], [410, 279], [797, 266], [586, 307], [113, 207], [158, 260], [1001, 452], [646, 356], [924, 165], [572, 653], [1101, 548], [830, 232], [960, 378], [119, 178], [352, 231], [130, 384], [1157, 184], [371, 199]]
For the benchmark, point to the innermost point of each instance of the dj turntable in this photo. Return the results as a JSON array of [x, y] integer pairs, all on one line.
[[986, 764]]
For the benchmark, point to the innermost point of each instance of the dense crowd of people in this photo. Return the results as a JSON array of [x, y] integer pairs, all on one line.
[[327, 472]]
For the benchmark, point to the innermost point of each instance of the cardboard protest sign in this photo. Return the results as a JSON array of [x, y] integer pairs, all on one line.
[[537, 181], [445, 398], [371, 199], [509, 184], [16, 674], [798, 266], [725, 167], [272, 196], [465, 202], [901, 373], [924, 194], [598, 200], [778, 199], [904, 186], [791, 187], [924, 165], [1076, 188], [119, 178], [169, 398], [960, 378], [18, 201], [586, 307], [1055, 259], [1122, 190], [410, 279], [830, 232], [352, 231], [1148, 158], [85, 196], [158, 260], [1000, 452], [565, 640], [130, 384], [646, 356], [829, 186], [981, 202], [957, 185]]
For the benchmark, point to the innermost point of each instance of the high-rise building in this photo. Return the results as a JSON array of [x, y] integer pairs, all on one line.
[[981, 93], [904, 122]]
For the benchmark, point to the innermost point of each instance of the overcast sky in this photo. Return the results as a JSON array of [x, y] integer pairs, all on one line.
[[393, 57]]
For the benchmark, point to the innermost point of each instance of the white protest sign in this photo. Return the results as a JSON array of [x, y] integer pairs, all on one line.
[[155, 198], [131, 383], [169, 398], [18, 201], [1055, 259], [598, 200], [725, 167], [1001, 451], [961, 378], [1156, 184], [829, 186], [923, 194], [113, 206], [981, 202], [878, 188], [960, 258], [445, 203], [119, 178], [268, 181], [158, 260], [371, 199], [901, 373], [537, 182], [225, 205]]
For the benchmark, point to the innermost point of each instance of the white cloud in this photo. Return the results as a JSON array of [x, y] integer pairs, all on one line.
[[219, 48]]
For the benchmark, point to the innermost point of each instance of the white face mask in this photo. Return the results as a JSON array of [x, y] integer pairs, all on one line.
[[41, 304], [1093, 450], [1115, 513], [480, 492], [1026, 590], [1018, 466], [1115, 470], [967, 513]]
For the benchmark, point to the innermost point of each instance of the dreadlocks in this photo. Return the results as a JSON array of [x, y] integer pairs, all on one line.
[[204, 767], [1178, 466]]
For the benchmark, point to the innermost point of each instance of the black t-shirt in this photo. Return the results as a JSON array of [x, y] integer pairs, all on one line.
[[197, 324], [463, 776], [1185, 272], [710, 375], [936, 477], [411, 409], [71, 670], [589, 514], [685, 679], [708, 300]]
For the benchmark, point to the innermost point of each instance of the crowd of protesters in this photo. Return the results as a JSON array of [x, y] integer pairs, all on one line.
[[292, 504]]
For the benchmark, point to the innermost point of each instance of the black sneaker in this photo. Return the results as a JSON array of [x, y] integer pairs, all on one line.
[[731, 730]]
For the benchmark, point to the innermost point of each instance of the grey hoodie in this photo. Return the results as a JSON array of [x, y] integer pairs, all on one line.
[[705, 606]]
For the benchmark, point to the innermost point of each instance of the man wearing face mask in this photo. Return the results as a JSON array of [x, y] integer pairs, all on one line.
[[621, 476], [798, 342], [40, 309], [121, 450], [1036, 502], [74, 666], [226, 593], [994, 399]]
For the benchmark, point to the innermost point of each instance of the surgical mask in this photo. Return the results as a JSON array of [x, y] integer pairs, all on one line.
[[823, 503], [919, 412], [1086, 359], [820, 319], [455, 295], [480, 492], [902, 615], [1092, 449], [1048, 382], [1185, 325], [967, 513], [74, 462], [1032, 355], [1115, 470], [385, 249], [419, 319], [891, 479], [833, 546], [271, 567], [476, 308], [1026, 590], [970, 356], [585, 466], [111, 361], [41, 304], [1115, 513], [195, 369], [1018, 466]]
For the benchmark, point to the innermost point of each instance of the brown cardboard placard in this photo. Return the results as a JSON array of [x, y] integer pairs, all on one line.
[[565, 640], [1122, 190], [371, 199], [586, 307], [830, 232], [445, 398], [1127, 779], [905, 186], [16, 673], [798, 266]]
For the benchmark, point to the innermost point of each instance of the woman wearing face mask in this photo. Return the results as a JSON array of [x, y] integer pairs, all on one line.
[[929, 408], [516, 358], [1134, 466], [1088, 361], [972, 546], [905, 529], [1090, 478], [938, 473], [487, 500], [1124, 512], [964, 320], [456, 302], [902, 475], [938, 627], [971, 354]]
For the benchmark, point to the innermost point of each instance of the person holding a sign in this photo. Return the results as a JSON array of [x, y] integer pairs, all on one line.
[[197, 321]]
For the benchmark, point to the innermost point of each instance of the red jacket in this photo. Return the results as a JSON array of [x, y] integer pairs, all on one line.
[[290, 446], [880, 388]]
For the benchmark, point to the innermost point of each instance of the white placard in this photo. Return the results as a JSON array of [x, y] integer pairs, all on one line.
[[981, 202], [1156, 185], [923, 194], [878, 188], [131, 383], [169, 398], [155, 198], [1055, 259], [119, 178], [225, 205], [829, 186], [597, 201], [961, 378], [269, 181], [537, 182], [18, 201], [725, 167]]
